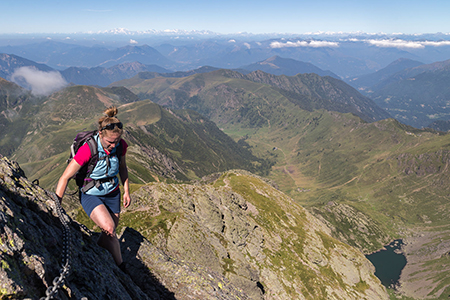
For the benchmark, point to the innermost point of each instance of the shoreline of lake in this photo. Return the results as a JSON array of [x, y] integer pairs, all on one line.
[[389, 262]]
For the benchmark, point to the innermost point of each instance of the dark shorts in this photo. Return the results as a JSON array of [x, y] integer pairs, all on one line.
[[111, 201]]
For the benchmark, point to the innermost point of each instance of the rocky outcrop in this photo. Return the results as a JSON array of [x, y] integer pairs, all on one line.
[[425, 163], [239, 225], [352, 226], [31, 245]]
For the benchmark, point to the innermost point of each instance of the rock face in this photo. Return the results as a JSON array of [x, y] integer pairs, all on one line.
[[31, 244], [239, 225], [233, 236], [362, 232]]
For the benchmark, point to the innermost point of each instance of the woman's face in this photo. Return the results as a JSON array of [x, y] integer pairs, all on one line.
[[109, 140]]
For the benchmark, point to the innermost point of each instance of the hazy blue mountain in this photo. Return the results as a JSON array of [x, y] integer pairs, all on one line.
[[411, 72], [42, 52], [286, 66], [144, 54], [105, 76], [347, 56], [440, 125], [417, 96], [347, 59], [142, 76], [61, 55], [364, 82], [10, 62], [194, 54]]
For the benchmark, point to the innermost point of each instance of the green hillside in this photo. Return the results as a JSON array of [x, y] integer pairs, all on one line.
[[369, 182], [16, 106], [233, 90], [175, 145]]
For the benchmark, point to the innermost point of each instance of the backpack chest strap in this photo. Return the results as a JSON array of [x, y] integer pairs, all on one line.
[[90, 183]]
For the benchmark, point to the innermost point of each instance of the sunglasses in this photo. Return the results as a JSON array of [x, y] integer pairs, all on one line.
[[112, 126]]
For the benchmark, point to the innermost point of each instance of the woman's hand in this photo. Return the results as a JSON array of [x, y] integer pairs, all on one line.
[[126, 200]]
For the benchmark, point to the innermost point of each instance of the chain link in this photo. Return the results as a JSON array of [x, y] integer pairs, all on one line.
[[65, 221]]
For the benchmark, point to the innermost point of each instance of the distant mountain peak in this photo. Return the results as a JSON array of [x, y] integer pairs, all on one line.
[[277, 65]]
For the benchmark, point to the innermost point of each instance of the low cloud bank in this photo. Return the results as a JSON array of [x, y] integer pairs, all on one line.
[[384, 43], [313, 44], [397, 43], [39, 82]]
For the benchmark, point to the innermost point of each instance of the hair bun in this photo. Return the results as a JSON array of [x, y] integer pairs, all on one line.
[[111, 111]]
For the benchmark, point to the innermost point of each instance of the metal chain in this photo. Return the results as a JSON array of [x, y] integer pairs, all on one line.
[[65, 221]]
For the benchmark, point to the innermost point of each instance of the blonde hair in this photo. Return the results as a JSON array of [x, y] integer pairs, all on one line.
[[109, 118]]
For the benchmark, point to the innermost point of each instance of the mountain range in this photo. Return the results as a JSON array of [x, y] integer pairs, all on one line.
[[345, 55], [414, 93], [328, 155], [209, 94], [424, 104], [230, 210], [104, 76], [284, 66], [379, 177], [382, 77], [9, 63]]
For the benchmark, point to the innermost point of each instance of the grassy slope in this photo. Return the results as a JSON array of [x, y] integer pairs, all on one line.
[[394, 174], [163, 144], [321, 151], [272, 211]]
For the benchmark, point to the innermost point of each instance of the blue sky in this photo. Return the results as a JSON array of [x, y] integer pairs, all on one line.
[[231, 16]]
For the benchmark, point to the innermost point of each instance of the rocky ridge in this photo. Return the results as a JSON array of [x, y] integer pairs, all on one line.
[[231, 236], [31, 246], [240, 225]]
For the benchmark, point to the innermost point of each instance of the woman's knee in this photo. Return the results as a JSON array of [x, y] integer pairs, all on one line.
[[109, 229], [104, 219]]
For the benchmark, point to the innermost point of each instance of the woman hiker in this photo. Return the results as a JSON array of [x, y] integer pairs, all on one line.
[[100, 198]]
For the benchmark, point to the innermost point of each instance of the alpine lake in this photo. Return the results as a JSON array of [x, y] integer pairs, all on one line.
[[389, 263]]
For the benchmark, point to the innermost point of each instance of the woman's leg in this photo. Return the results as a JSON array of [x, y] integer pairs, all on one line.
[[108, 239]]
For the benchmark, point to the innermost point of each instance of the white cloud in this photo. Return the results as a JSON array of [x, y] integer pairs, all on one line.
[[436, 44], [134, 42], [318, 44], [397, 43], [41, 83], [313, 44], [232, 41], [247, 45]]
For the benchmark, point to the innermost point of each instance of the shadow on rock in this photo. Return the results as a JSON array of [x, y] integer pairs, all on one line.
[[138, 253]]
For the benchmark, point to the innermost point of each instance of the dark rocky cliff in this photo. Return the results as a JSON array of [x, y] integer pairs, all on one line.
[[31, 245]]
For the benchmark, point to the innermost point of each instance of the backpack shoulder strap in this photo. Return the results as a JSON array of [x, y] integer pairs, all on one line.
[[92, 146], [119, 151]]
